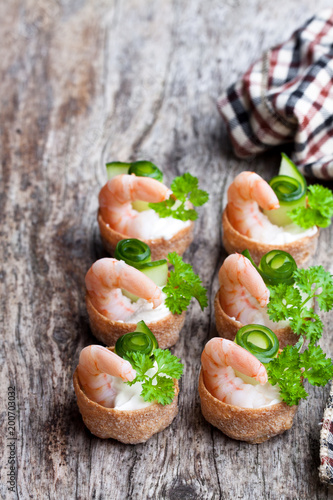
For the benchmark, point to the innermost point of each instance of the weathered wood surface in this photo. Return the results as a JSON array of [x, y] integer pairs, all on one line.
[[83, 82]]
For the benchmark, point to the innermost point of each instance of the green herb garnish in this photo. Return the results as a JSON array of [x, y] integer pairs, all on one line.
[[182, 285], [160, 386], [288, 303], [291, 366], [184, 188], [319, 210]]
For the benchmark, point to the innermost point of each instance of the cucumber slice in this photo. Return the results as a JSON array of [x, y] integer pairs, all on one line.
[[144, 168], [140, 206], [130, 295], [141, 340], [290, 187], [259, 341], [287, 167], [116, 168], [157, 271], [143, 328]]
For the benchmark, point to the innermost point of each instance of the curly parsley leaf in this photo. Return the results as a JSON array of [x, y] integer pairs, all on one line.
[[167, 363], [141, 363], [318, 283], [291, 366], [291, 302], [285, 371], [318, 369], [182, 285], [162, 391], [157, 387], [319, 210], [283, 299], [184, 188]]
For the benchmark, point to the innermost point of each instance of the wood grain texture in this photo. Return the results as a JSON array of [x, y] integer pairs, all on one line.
[[83, 82]]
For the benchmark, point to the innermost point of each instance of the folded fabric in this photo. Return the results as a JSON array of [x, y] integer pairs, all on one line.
[[326, 443], [287, 96]]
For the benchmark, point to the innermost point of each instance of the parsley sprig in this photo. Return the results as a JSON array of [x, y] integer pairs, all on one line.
[[288, 302], [182, 285], [184, 188], [319, 210], [158, 387], [291, 366]]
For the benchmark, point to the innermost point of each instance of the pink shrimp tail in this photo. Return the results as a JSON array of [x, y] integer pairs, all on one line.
[[236, 272], [248, 186]]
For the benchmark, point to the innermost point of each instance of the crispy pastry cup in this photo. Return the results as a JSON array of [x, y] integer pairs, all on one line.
[[159, 248], [245, 424], [228, 327], [127, 426], [166, 330], [302, 249]]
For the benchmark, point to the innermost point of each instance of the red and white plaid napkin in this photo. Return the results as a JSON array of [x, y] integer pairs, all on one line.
[[287, 96], [326, 443]]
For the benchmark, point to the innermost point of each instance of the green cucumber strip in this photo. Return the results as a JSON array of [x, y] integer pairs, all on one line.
[[146, 169], [288, 167], [143, 328], [132, 251], [291, 189], [116, 168], [259, 341], [140, 206], [277, 267], [157, 271], [130, 295], [141, 340]]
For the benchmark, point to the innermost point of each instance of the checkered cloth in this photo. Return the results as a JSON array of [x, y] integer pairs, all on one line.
[[326, 443], [287, 96]]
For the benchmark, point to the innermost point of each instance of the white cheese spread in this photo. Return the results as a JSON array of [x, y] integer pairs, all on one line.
[[279, 235], [152, 227], [128, 397]]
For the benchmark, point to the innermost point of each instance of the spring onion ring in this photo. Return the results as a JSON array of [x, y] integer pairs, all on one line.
[[259, 341], [146, 169]]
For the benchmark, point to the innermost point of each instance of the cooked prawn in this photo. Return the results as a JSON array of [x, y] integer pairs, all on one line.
[[115, 202], [104, 282], [96, 369], [219, 359], [246, 194], [243, 293]]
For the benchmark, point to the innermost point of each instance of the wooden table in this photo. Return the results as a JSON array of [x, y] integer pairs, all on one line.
[[82, 83]]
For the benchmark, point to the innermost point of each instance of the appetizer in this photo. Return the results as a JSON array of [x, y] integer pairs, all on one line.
[[134, 203], [251, 391], [243, 297], [129, 392], [274, 294], [122, 292], [289, 219]]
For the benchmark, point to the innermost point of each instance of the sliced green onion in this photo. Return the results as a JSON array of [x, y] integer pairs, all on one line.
[[133, 252], [141, 340], [259, 341], [146, 169], [275, 267]]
